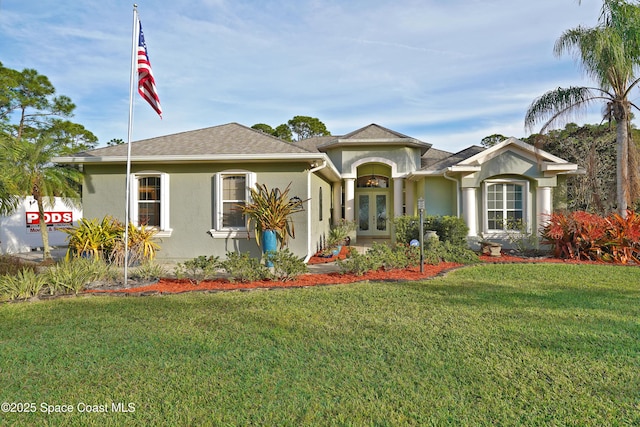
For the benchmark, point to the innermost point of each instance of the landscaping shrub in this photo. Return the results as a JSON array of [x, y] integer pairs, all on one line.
[[394, 257], [105, 240], [93, 238], [523, 240], [436, 251], [199, 268], [142, 247], [242, 268], [149, 271], [286, 265], [449, 228], [72, 276], [25, 284], [585, 236], [358, 263], [407, 228]]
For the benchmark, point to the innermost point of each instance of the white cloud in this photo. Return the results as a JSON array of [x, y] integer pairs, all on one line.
[[451, 72]]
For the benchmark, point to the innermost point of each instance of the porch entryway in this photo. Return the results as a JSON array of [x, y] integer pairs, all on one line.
[[372, 207]]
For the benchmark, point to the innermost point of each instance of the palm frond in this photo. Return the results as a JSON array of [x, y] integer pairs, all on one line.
[[559, 106]]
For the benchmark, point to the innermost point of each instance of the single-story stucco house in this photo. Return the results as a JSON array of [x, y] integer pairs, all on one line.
[[186, 184]]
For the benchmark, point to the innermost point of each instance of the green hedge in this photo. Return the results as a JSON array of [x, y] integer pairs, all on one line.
[[449, 228]]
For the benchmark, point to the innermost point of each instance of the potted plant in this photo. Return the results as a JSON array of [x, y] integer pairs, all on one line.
[[270, 211], [339, 233]]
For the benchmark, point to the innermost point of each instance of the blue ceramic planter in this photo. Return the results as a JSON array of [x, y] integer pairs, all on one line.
[[269, 245]]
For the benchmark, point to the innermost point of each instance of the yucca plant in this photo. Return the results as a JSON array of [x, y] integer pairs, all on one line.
[[272, 210], [141, 245], [92, 238]]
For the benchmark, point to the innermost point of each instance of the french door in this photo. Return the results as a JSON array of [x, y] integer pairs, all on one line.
[[373, 213]]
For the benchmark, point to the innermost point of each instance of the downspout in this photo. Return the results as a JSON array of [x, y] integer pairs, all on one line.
[[311, 171], [457, 191]]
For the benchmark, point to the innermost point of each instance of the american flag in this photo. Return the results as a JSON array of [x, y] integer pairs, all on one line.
[[146, 82]]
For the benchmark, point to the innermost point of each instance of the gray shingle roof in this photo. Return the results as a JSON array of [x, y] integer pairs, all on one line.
[[453, 159], [432, 156], [228, 139], [374, 131], [372, 134]]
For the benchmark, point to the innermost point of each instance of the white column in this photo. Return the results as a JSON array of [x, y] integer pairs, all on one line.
[[349, 199], [397, 197], [543, 206], [337, 202], [409, 196], [469, 209]]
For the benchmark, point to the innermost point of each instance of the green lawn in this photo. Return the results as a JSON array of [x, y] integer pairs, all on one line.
[[486, 345]]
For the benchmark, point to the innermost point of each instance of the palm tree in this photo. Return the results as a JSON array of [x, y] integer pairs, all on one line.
[[28, 162], [610, 54]]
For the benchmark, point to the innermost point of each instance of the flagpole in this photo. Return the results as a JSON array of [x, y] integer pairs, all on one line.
[[134, 44]]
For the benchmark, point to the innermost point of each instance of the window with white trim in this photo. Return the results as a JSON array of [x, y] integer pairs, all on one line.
[[150, 200], [505, 205], [232, 192]]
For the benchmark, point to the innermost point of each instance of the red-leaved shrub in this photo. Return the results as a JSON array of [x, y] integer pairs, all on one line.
[[586, 236]]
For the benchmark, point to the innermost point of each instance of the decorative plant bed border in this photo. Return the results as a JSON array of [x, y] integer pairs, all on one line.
[[306, 280]]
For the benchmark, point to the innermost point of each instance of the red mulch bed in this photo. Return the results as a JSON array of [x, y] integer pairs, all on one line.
[[318, 259], [305, 280]]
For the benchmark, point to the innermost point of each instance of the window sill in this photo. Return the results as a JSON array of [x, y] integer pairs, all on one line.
[[231, 234], [164, 233]]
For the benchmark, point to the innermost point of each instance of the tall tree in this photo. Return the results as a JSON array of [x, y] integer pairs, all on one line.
[[593, 147], [303, 126], [34, 129], [491, 140], [263, 127], [306, 127], [610, 54], [115, 141], [283, 132]]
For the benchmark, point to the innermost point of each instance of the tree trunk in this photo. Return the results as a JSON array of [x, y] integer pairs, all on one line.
[[622, 169], [43, 231]]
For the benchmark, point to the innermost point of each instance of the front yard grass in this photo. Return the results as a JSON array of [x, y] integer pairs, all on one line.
[[486, 345]]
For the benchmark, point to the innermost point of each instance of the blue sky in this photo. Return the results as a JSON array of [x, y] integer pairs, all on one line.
[[448, 72]]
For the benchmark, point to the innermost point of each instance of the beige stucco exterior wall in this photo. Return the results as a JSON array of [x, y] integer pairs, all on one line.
[[319, 228], [191, 202], [405, 159], [439, 196]]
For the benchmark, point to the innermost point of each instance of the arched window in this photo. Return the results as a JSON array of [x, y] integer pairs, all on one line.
[[373, 181]]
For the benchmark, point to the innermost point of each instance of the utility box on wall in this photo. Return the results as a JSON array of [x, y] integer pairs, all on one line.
[[20, 232]]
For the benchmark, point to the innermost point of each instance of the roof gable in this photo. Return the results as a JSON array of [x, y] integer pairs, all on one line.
[[527, 150], [373, 131], [374, 134]]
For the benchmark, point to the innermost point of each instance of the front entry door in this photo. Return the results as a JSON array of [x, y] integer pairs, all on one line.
[[373, 213]]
